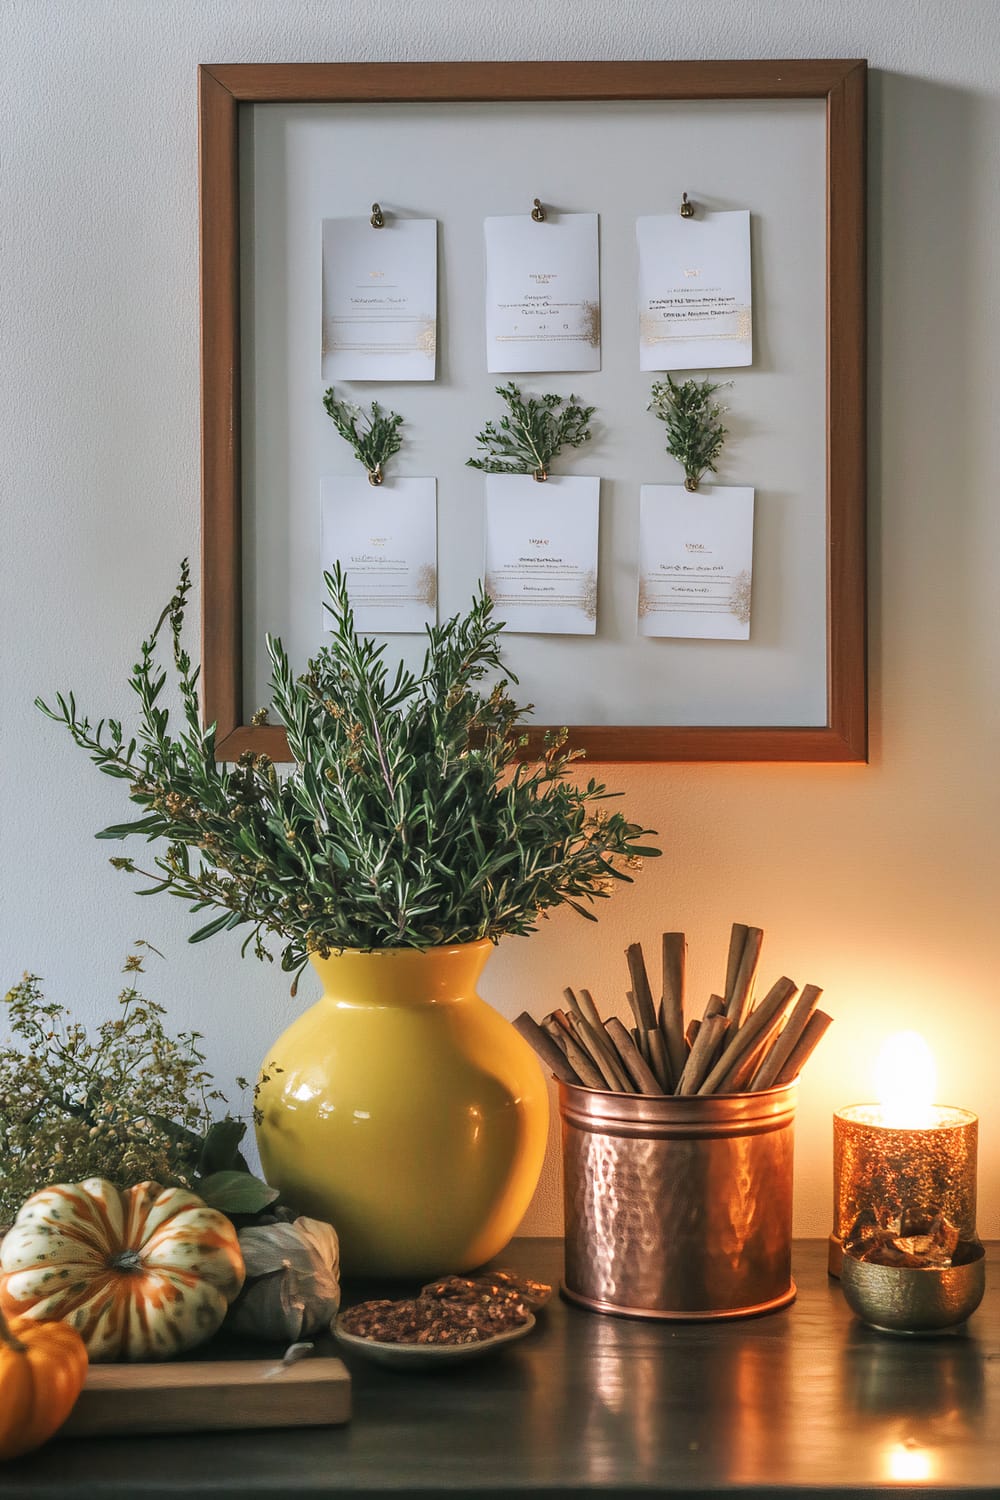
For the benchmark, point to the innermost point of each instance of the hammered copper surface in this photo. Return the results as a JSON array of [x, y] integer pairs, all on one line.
[[678, 1207], [881, 1171], [914, 1299]]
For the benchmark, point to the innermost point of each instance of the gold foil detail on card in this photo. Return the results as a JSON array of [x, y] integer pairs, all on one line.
[[426, 585], [588, 598], [739, 599], [591, 332]]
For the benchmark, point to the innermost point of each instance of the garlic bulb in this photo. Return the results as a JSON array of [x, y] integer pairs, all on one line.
[[292, 1288]]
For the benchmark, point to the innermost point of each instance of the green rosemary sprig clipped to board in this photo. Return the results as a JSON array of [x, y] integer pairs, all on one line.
[[529, 437], [695, 433], [374, 439]]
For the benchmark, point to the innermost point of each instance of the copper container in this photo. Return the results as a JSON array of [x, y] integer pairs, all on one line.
[[678, 1207]]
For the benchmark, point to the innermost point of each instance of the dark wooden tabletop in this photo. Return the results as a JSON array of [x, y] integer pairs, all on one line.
[[806, 1401]]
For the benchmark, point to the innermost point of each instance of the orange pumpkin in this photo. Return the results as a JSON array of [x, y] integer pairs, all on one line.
[[42, 1368], [140, 1274]]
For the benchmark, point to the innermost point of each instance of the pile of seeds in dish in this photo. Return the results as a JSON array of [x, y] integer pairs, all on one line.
[[452, 1310]]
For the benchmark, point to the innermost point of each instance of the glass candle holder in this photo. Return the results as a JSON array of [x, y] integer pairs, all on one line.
[[883, 1170]]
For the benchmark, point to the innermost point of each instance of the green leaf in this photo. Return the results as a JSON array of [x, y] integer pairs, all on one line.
[[220, 1149], [235, 1192], [141, 825], [211, 928]]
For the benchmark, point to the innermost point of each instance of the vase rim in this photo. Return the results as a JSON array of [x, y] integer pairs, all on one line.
[[392, 952]]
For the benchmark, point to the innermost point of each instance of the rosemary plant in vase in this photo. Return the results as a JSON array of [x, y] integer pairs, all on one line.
[[406, 839]]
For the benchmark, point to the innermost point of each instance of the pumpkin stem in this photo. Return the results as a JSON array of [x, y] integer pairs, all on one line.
[[126, 1260], [9, 1338]]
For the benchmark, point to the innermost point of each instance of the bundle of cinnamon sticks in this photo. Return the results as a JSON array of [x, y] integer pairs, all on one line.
[[735, 1046]]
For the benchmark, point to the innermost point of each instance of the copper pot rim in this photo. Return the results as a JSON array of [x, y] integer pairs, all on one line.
[[765, 1109]]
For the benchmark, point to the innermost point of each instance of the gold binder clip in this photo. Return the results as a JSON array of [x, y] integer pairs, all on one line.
[[538, 212], [378, 218], [687, 209]]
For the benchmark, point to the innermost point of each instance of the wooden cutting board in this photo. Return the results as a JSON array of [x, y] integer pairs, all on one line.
[[210, 1396]]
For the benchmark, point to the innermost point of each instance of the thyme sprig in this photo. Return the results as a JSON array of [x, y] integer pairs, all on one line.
[[374, 439], [407, 819], [695, 434], [529, 437]]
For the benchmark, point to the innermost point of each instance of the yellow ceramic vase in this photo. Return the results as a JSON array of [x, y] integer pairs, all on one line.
[[405, 1111]]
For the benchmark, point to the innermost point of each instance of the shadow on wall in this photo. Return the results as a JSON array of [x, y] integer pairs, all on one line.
[[927, 339]]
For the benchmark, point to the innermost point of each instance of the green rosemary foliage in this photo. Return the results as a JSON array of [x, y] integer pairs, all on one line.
[[695, 433], [374, 439], [528, 439], [406, 821], [129, 1103]]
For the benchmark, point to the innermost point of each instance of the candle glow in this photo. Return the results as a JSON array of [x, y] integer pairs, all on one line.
[[904, 1156], [906, 1082]]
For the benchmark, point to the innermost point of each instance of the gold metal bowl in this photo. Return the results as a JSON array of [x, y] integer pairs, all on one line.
[[914, 1299]]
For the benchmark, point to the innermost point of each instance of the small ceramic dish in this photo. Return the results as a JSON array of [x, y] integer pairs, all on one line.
[[426, 1356]]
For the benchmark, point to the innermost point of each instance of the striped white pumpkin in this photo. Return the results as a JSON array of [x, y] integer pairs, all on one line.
[[140, 1274]]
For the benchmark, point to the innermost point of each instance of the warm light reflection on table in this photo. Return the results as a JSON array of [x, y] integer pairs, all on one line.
[[908, 1463]]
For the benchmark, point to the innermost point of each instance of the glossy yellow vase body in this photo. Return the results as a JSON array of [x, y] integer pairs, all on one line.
[[407, 1113]]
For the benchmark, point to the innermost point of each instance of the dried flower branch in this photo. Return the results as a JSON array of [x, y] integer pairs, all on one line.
[[407, 820], [128, 1102], [695, 433], [374, 439], [528, 439]]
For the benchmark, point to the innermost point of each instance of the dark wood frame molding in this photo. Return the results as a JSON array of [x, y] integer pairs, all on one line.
[[842, 84]]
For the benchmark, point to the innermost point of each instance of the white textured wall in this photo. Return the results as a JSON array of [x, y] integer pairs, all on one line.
[[879, 883]]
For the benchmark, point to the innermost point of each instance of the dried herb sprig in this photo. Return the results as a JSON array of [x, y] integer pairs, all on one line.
[[127, 1102], [529, 437], [695, 434], [407, 820], [374, 438]]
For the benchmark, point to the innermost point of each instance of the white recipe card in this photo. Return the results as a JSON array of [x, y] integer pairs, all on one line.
[[541, 552], [379, 299], [694, 291], [542, 293], [695, 561], [385, 539]]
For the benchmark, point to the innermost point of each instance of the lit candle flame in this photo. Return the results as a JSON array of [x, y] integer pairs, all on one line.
[[906, 1081]]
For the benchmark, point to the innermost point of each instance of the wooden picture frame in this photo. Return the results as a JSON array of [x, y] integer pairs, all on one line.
[[842, 84]]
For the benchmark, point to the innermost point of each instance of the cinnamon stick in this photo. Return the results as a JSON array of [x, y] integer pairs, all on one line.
[[658, 1059], [572, 1001], [672, 1003], [644, 1009], [605, 1057], [713, 1028], [774, 1060], [632, 1059], [589, 1009], [693, 1028], [580, 1060], [739, 1080], [739, 997], [801, 1052], [737, 942], [546, 1048], [761, 1023], [715, 1006]]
